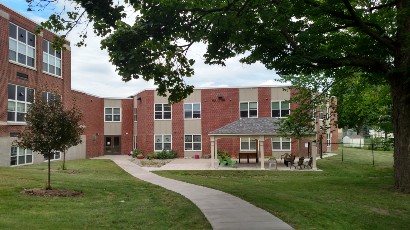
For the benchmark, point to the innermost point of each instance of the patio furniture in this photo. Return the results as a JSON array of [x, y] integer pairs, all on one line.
[[273, 161], [285, 155], [309, 163], [247, 156], [300, 162], [231, 163], [222, 162], [290, 159]]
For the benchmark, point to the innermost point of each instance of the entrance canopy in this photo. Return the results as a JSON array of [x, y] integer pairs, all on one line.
[[256, 128]]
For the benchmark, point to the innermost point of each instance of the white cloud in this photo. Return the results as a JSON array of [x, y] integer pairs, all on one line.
[[91, 71]]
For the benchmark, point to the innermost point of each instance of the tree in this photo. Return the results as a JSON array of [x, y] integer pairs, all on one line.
[[363, 104], [50, 128], [295, 37]]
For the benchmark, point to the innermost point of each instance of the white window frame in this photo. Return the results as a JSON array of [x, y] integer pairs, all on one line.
[[162, 139], [25, 103], [20, 152], [22, 47], [162, 111], [247, 140], [281, 115], [112, 114], [192, 142], [49, 96], [248, 109], [47, 57], [281, 141], [192, 111], [53, 156]]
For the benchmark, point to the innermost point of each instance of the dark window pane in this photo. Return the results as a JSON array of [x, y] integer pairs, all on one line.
[[21, 58], [21, 93], [12, 55], [167, 146], [58, 71], [188, 146], [197, 138], [11, 116], [253, 113], [285, 145], [117, 118], [197, 146], [45, 67], [108, 117], [244, 113], [158, 146], [22, 35], [158, 107], [58, 53], [167, 115], [275, 113], [285, 113], [188, 114], [31, 39], [51, 69], [13, 31], [45, 46], [275, 145], [188, 138], [29, 159], [22, 160], [30, 95], [50, 49], [167, 107], [20, 116], [30, 61], [158, 115], [13, 161], [11, 92]]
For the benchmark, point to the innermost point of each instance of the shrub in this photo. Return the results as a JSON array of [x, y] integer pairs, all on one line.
[[167, 154], [152, 156], [223, 154], [136, 152]]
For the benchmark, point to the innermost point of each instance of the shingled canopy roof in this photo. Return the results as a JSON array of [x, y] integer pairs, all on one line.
[[249, 126]]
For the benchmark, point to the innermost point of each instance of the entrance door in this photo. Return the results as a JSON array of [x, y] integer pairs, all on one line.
[[112, 145]]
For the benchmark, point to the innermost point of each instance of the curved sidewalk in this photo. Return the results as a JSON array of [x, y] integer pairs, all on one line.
[[222, 210]]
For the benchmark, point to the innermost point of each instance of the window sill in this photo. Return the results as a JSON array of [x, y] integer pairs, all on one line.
[[22, 65], [112, 121], [53, 75], [16, 123]]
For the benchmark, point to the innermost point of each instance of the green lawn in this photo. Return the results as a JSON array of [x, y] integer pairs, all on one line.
[[112, 200], [346, 195]]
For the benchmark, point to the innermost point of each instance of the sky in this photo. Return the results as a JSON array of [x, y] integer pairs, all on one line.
[[92, 73]]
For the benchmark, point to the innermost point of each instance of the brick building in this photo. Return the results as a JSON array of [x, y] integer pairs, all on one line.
[[30, 66]]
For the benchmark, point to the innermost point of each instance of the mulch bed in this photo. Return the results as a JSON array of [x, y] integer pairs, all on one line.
[[52, 193]]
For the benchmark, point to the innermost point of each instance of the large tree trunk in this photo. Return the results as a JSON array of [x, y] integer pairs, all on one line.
[[400, 90]]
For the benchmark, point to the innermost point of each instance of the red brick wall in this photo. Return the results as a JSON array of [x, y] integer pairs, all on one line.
[[127, 122], [93, 117], [145, 121], [178, 128], [217, 113]]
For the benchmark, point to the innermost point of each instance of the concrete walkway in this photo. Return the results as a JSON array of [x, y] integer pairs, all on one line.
[[222, 210]]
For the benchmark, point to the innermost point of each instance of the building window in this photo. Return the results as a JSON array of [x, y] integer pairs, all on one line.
[[20, 156], [162, 111], [22, 46], [193, 142], [112, 114], [19, 100], [47, 97], [135, 114], [280, 143], [51, 59], [248, 109], [192, 110], [248, 144], [54, 156], [280, 108], [163, 142]]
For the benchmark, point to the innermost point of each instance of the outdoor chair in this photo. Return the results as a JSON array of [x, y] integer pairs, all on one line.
[[300, 162], [290, 159], [284, 156], [309, 163], [222, 162], [231, 163]]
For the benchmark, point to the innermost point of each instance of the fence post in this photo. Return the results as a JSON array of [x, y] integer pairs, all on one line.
[[372, 150]]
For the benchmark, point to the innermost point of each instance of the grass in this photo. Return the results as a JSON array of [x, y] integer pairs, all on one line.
[[112, 200], [352, 194]]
